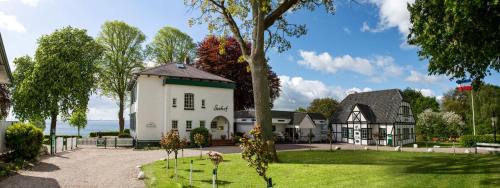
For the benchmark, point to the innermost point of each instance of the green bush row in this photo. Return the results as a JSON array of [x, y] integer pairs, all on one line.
[[64, 136], [109, 133], [199, 130], [470, 140]]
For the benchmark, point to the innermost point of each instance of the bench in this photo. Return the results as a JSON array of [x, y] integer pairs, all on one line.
[[492, 147]]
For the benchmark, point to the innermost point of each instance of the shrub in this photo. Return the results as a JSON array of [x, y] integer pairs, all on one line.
[[108, 133], [124, 135], [25, 140], [468, 140], [126, 131], [64, 136], [200, 130]]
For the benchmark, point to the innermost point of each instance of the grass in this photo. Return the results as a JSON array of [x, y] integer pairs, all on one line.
[[430, 144], [339, 169]]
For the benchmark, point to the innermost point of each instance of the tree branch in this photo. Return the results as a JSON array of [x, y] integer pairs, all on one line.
[[278, 12]]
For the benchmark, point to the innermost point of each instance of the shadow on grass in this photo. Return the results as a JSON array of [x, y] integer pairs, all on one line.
[[491, 182], [410, 163], [187, 170], [219, 182]]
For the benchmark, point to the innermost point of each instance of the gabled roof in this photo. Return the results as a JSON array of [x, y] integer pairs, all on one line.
[[4, 65], [180, 70], [274, 114], [317, 116], [380, 106], [298, 117]]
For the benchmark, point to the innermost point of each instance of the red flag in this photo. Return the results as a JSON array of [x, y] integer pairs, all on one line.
[[464, 87]]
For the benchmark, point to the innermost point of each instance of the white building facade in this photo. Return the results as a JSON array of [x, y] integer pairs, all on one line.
[[182, 98], [288, 127], [5, 78], [377, 117]]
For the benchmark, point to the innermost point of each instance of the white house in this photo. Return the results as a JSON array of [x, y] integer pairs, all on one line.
[[287, 126], [5, 78], [180, 97], [385, 113]]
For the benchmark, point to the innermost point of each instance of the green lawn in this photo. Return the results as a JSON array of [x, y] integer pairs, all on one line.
[[441, 144], [340, 169]]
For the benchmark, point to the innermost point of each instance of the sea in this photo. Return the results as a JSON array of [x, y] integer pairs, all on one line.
[[63, 128]]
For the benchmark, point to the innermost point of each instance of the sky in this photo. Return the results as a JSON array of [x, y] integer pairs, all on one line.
[[362, 47]]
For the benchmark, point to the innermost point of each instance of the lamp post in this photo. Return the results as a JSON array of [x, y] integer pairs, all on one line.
[[494, 120]]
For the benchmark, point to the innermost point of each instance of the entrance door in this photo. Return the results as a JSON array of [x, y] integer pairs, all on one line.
[[357, 135]]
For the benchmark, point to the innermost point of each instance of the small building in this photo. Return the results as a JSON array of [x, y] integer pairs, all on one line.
[[5, 78], [179, 97], [362, 117], [288, 126]]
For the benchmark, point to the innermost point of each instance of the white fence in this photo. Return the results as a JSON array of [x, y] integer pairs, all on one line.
[[107, 142]]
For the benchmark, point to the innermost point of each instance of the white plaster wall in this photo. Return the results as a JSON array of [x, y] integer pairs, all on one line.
[[154, 105], [3, 126]]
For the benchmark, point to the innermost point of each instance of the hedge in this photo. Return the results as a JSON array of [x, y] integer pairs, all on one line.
[[468, 140], [109, 133], [64, 136], [199, 130], [25, 140]]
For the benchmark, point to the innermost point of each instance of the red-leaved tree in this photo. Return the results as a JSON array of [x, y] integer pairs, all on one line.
[[222, 60]]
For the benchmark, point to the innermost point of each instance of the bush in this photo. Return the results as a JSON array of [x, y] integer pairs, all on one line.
[[200, 130], [126, 131], [108, 133], [468, 140], [124, 135], [24, 139], [64, 136]]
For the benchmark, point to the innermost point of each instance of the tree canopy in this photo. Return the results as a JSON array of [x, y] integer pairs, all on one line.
[[61, 78], [123, 53], [486, 101], [439, 125], [460, 38], [419, 102], [222, 60], [325, 106], [171, 45]]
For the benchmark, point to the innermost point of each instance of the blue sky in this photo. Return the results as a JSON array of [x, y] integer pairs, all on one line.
[[360, 48]]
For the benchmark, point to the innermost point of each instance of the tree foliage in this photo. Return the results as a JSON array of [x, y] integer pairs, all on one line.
[[223, 60], [256, 152], [122, 55], [61, 78], [439, 125], [486, 101], [460, 38], [419, 102], [325, 106], [171, 45], [24, 139], [5, 101], [78, 119]]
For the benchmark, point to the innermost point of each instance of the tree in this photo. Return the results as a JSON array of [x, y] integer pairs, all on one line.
[[4, 101], [165, 144], [171, 143], [301, 109], [225, 62], [460, 38], [123, 54], [325, 106], [428, 121], [199, 139], [256, 152], [78, 119], [171, 45], [62, 77], [419, 102], [486, 101], [252, 20]]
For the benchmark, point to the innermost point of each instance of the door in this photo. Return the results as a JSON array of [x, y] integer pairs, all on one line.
[[389, 139]]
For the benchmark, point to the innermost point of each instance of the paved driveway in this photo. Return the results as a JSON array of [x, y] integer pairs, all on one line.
[[109, 168]]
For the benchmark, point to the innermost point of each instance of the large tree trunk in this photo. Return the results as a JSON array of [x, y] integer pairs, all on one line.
[[53, 122], [260, 82], [121, 120]]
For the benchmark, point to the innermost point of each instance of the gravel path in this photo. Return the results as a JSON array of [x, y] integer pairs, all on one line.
[[109, 168]]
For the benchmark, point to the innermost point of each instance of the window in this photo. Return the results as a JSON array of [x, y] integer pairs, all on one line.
[[203, 103], [213, 125], [281, 120], [344, 132], [189, 125], [174, 102], [133, 94], [188, 101], [243, 119], [364, 134], [411, 133], [174, 124], [274, 128], [351, 133], [406, 133], [382, 133], [399, 133], [406, 110], [202, 123], [132, 121]]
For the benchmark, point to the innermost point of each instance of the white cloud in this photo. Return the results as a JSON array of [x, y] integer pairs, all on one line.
[[298, 92], [357, 90], [392, 13], [30, 2], [365, 27], [418, 77], [10, 23], [385, 66]]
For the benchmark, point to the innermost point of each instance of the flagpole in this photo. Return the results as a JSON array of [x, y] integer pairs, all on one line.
[[473, 116]]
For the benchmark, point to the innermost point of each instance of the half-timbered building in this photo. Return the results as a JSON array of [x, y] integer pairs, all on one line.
[[368, 118]]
